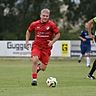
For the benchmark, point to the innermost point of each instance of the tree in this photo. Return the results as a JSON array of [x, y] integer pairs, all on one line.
[[25, 11]]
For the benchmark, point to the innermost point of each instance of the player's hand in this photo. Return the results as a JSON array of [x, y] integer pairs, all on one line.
[[91, 36], [84, 39], [92, 41], [50, 43], [27, 45]]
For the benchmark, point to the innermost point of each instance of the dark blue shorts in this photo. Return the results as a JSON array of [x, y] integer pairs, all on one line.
[[85, 49]]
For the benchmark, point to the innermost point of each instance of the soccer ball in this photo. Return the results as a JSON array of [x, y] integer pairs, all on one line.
[[51, 82]]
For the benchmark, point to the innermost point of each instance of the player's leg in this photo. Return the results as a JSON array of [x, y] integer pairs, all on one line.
[[90, 75], [42, 67], [80, 57], [34, 69], [45, 55], [35, 60], [83, 50], [88, 55], [88, 59], [39, 66]]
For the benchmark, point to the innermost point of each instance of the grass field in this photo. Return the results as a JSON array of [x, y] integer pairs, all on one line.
[[15, 78]]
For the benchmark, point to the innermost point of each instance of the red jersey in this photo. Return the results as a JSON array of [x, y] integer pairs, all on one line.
[[43, 32]]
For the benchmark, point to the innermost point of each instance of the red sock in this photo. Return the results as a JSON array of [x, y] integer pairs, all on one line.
[[34, 75]]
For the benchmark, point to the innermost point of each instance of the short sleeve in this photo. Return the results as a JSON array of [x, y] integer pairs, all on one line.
[[81, 33], [31, 27], [55, 28]]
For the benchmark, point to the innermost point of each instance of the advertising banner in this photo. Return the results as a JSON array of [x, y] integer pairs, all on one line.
[[14, 48], [17, 49], [65, 45], [75, 48]]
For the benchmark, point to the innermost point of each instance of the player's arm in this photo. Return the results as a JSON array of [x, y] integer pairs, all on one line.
[[27, 38], [92, 37], [81, 38], [56, 34], [89, 25], [56, 37], [28, 33]]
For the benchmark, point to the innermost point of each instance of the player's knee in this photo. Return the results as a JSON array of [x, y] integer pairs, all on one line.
[[35, 59], [43, 68]]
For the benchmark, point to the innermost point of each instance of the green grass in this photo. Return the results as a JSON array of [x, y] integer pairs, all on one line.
[[15, 78]]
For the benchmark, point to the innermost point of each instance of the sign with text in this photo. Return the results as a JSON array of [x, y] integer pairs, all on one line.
[[17, 49], [65, 48]]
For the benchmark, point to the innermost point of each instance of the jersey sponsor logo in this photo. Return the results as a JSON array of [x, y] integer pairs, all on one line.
[[48, 28], [43, 34], [87, 37], [86, 34], [38, 27]]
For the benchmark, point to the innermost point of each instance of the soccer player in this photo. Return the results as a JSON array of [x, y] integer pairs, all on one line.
[[85, 46], [92, 24], [46, 34]]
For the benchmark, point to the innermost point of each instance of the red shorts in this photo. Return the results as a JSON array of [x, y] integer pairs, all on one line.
[[43, 54]]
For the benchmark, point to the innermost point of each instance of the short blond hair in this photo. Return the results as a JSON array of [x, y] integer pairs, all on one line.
[[45, 10]]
